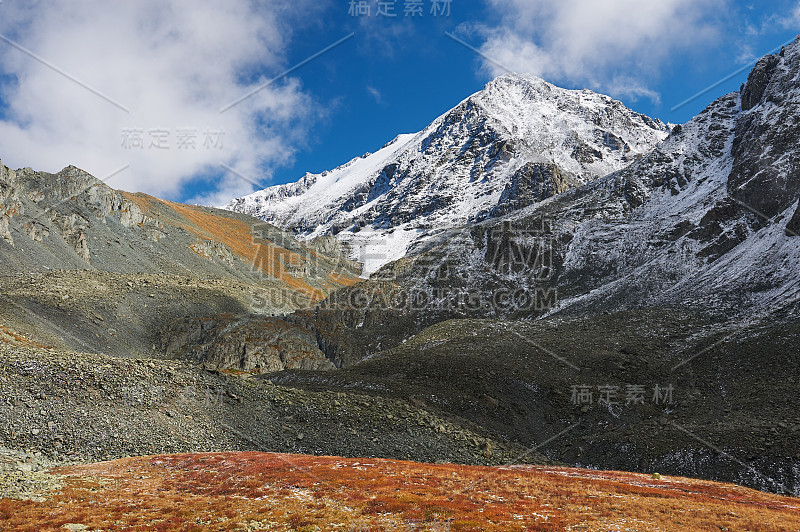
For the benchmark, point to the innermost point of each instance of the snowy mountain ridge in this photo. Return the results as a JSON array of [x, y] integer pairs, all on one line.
[[708, 220], [518, 141]]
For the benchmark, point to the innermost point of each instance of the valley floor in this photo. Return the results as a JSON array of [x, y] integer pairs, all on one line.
[[266, 491]]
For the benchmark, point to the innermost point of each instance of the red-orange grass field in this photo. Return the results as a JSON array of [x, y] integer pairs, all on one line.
[[265, 491]]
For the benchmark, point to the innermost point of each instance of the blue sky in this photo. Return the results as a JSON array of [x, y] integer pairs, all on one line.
[[80, 80]]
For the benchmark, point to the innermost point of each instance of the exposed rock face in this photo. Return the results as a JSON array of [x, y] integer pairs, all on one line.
[[4, 232], [251, 344], [9, 202], [766, 170], [691, 150], [793, 227], [530, 184], [757, 81]]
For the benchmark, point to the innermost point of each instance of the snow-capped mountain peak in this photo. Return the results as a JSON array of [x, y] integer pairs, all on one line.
[[518, 141]]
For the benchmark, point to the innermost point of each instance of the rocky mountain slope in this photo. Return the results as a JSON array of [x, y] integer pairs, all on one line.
[[89, 268], [61, 405], [519, 141], [71, 220]]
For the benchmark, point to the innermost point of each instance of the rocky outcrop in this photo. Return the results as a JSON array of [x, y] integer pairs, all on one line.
[[4, 232], [213, 250], [9, 202], [765, 177], [532, 183], [793, 227], [249, 344], [758, 79]]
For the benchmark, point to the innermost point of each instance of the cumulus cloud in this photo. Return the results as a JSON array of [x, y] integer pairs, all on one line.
[[612, 46], [173, 66]]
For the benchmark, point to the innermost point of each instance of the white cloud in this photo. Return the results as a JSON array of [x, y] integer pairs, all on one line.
[[795, 20], [611, 46], [173, 65], [746, 54], [632, 88], [766, 24], [375, 93]]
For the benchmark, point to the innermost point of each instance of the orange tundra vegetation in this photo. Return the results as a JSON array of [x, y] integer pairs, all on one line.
[[264, 491]]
